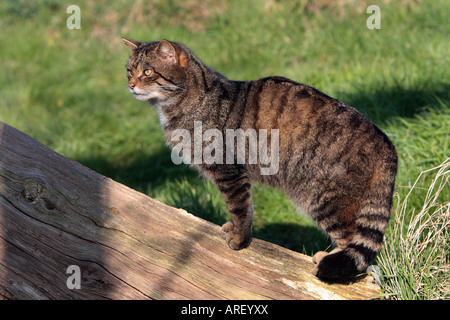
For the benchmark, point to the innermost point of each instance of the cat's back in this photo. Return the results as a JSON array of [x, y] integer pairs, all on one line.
[[320, 136], [300, 112], [280, 103]]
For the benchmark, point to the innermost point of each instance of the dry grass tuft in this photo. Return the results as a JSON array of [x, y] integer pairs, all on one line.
[[416, 256]]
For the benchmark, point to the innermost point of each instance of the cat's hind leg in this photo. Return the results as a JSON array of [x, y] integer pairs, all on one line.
[[336, 215]]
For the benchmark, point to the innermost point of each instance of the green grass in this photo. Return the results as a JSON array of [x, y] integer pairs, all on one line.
[[67, 88]]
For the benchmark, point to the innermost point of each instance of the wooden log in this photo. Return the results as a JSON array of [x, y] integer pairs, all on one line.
[[56, 213]]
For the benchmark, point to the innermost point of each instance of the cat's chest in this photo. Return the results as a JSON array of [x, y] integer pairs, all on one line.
[[162, 118], [174, 125]]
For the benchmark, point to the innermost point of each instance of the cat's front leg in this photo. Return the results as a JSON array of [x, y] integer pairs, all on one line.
[[238, 234], [234, 185]]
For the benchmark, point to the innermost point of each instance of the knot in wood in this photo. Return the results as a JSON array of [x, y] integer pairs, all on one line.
[[32, 190]]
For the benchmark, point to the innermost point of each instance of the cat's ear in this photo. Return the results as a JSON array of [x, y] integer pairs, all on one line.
[[131, 44], [167, 52]]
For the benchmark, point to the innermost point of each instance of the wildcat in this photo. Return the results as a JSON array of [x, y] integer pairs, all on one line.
[[334, 163]]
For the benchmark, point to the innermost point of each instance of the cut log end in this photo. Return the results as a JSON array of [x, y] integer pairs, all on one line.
[[56, 214]]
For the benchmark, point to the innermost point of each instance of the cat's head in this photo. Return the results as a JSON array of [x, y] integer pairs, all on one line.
[[156, 71]]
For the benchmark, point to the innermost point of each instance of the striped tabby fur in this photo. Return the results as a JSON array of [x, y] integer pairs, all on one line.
[[334, 163]]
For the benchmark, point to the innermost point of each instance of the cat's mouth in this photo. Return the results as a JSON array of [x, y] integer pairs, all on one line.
[[140, 95], [145, 95]]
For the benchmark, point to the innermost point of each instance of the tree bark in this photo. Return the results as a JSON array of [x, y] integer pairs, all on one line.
[[56, 213]]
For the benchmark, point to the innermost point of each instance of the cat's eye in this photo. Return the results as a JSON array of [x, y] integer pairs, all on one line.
[[148, 72]]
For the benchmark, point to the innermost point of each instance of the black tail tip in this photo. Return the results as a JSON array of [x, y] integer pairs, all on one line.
[[337, 267]]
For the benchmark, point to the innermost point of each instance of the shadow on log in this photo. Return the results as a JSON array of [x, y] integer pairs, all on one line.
[[56, 213]]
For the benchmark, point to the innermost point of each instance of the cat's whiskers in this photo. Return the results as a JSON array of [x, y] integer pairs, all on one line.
[[171, 86], [169, 97]]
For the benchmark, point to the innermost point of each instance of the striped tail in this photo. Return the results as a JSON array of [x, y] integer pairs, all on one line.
[[370, 225]]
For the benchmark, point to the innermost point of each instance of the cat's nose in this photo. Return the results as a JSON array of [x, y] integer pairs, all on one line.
[[131, 85]]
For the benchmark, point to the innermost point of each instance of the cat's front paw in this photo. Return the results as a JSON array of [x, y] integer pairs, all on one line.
[[236, 239]]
